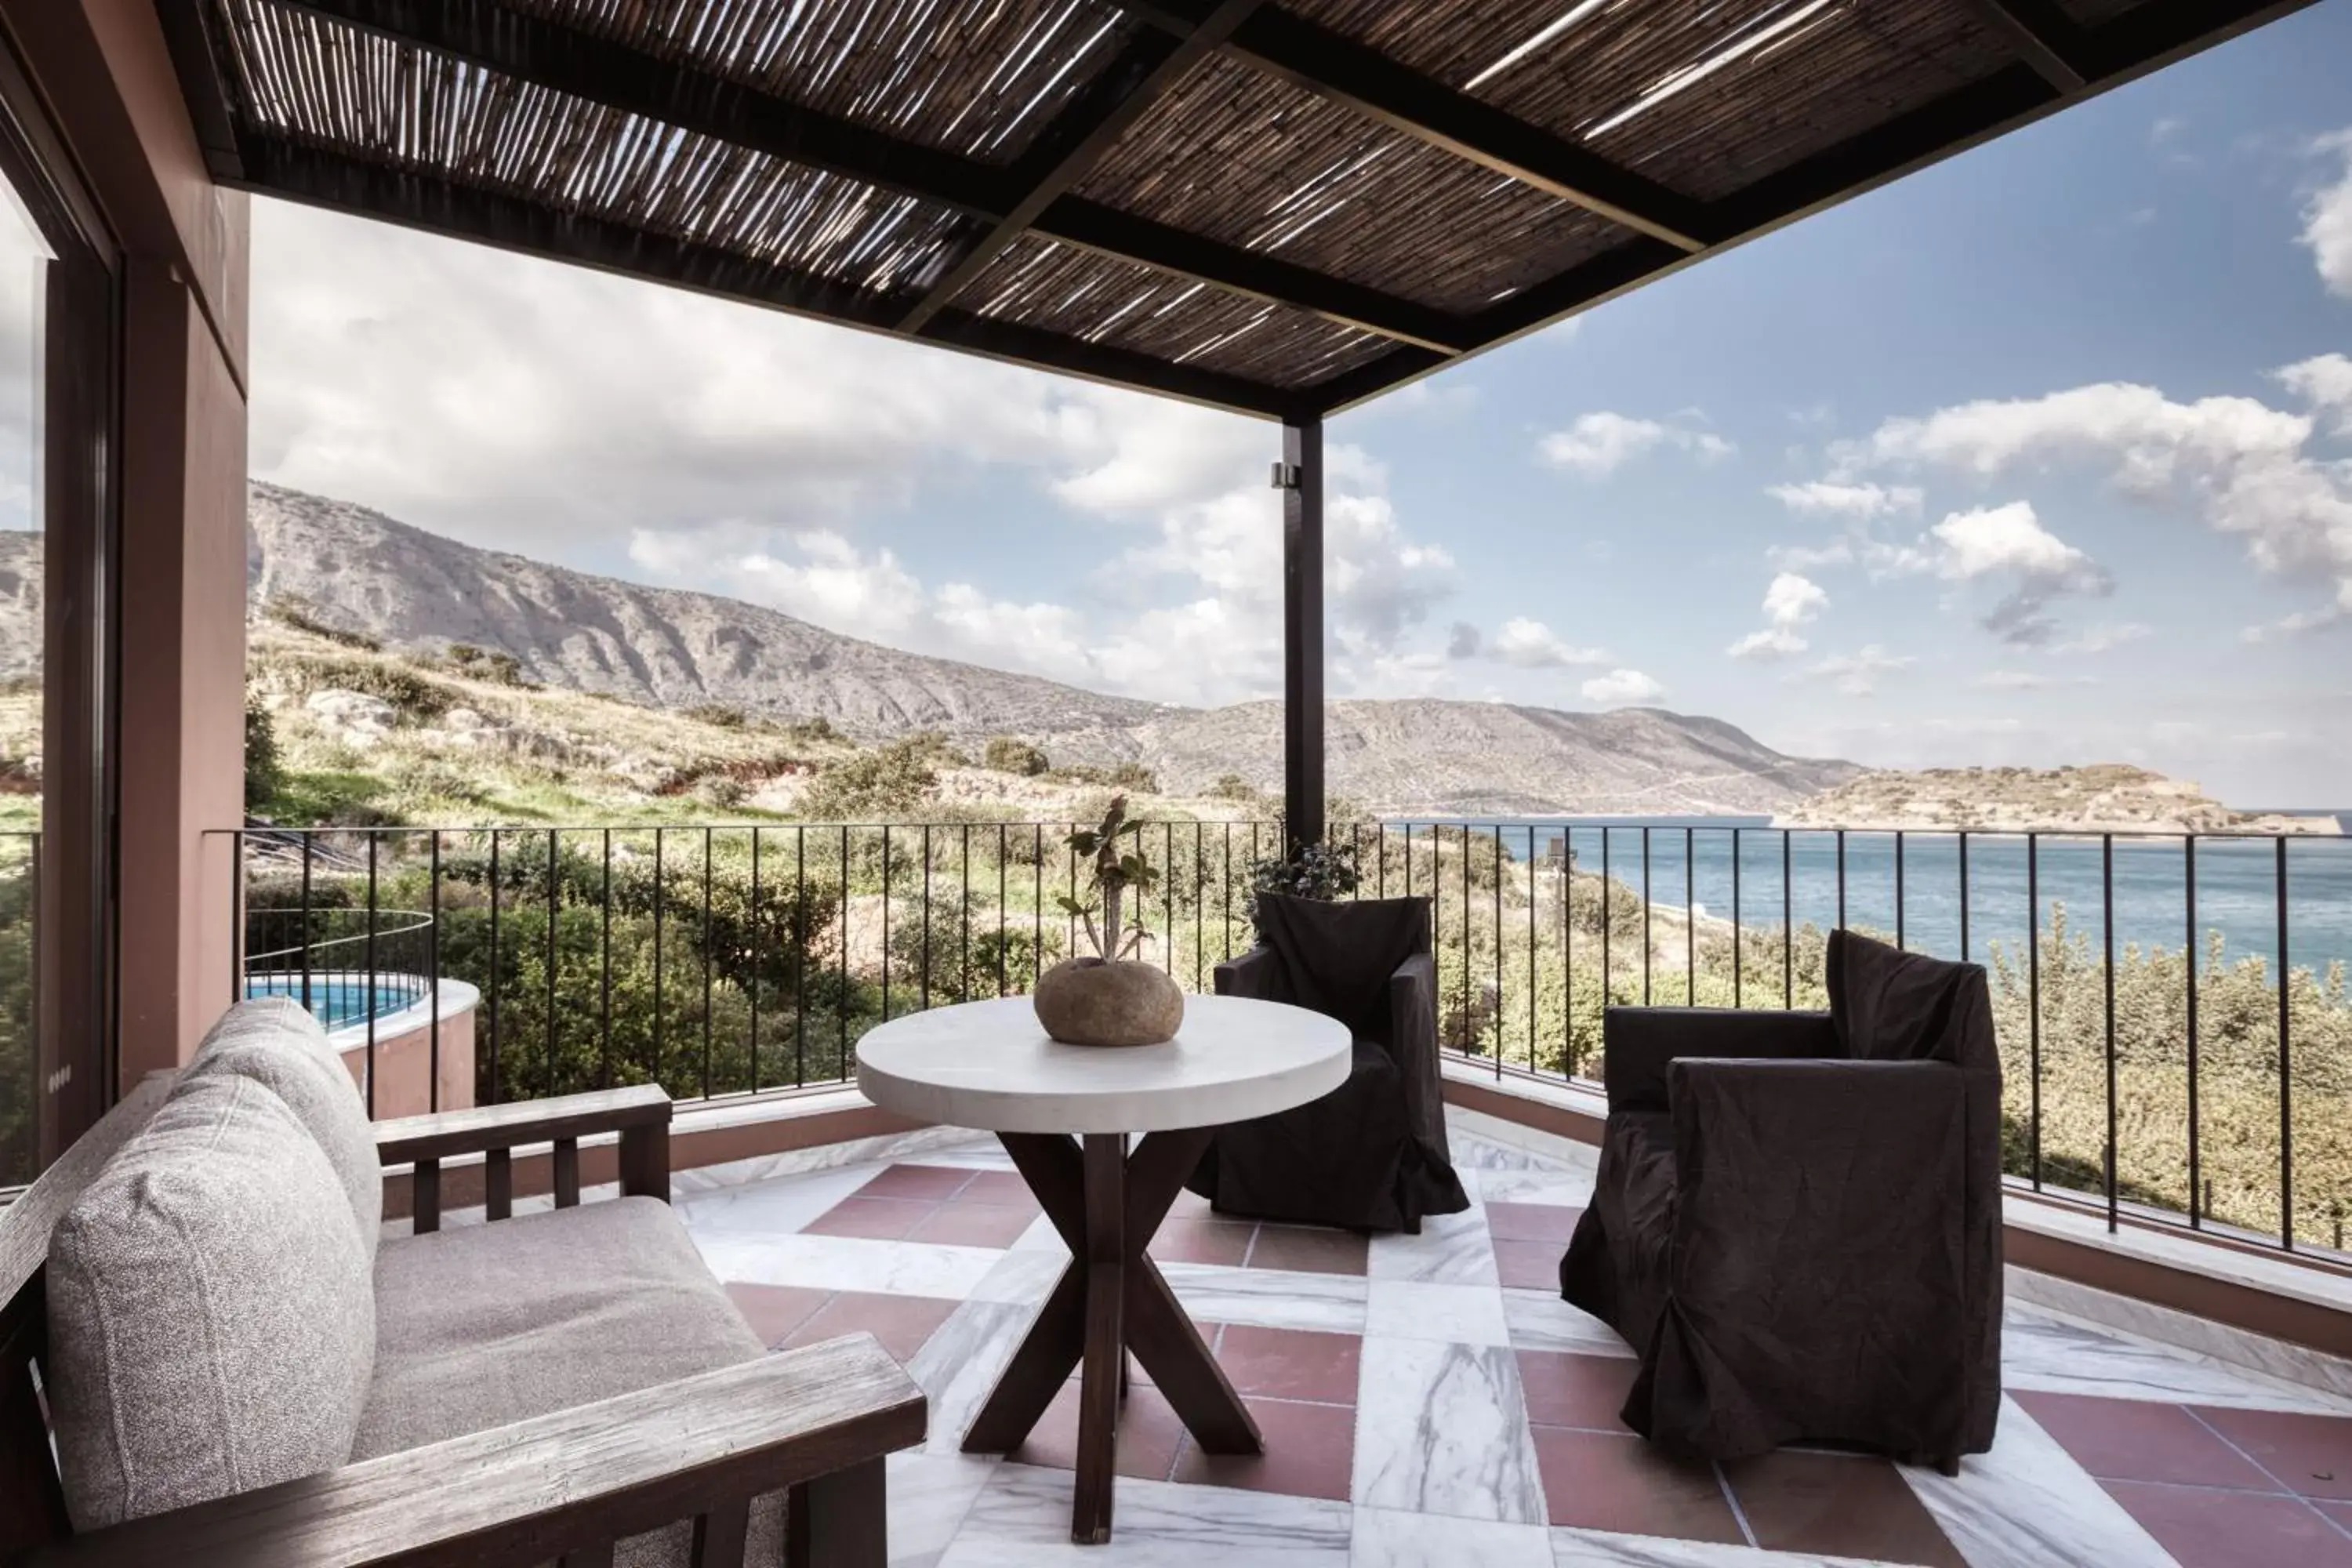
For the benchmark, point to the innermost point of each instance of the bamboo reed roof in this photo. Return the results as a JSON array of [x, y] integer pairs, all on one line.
[[1280, 208]]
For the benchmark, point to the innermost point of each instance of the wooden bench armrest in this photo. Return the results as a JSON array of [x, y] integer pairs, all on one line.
[[484, 1128], [572, 1483]]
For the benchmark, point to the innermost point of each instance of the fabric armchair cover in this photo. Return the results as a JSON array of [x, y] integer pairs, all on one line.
[[1796, 1222], [1371, 1155]]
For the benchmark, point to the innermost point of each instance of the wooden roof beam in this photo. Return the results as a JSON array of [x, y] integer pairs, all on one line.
[[1088, 126], [1334, 66], [2045, 38], [619, 76]]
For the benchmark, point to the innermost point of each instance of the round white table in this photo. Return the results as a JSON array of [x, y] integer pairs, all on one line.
[[1064, 1114]]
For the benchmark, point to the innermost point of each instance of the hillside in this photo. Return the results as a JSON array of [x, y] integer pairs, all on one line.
[[2104, 798], [321, 570]]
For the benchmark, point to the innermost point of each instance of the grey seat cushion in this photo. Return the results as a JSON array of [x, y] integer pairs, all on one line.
[[277, 1041], [212, 1320], [486, 1325]]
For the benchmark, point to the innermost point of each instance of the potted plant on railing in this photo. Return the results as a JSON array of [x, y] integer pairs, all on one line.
[[1109, 997]]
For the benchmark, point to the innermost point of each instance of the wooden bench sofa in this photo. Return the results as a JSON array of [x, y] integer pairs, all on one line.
[[200, 1319]]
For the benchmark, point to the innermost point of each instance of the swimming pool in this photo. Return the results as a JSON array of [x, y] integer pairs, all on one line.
[[337, 1000]]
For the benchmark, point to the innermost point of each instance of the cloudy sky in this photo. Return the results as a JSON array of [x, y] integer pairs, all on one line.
[[2042, 457]]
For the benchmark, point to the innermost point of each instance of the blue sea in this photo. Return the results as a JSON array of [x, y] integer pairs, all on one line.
[[2237, 881]]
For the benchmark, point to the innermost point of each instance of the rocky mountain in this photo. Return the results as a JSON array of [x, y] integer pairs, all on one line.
[[353, 569]]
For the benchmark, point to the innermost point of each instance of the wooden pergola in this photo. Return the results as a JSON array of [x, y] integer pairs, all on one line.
[[1283, 210]]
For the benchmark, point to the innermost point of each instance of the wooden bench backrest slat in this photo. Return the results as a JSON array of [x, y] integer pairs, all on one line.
[[32, 1508]]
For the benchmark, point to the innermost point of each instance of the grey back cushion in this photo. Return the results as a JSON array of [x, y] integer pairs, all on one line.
[[212, 1310], [274, 1041]]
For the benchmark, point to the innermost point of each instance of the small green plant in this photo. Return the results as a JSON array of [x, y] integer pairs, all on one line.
[[889, 780], [1316, 870], [1005, 754], [1231, 787], [719, 716], [297, 613], [1113, 870]]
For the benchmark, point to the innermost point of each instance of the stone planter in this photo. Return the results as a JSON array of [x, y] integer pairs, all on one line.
[[1087, 1002]]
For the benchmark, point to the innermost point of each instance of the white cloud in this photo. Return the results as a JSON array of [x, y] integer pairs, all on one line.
[[1620, 687], [2324, 383], [2009, 543], [1791, 601], [2241, 464], [2327, 217], [1859, 501], [597, 421], [2101, 639], [1857, 674], [1530, 644], [1598, 444]]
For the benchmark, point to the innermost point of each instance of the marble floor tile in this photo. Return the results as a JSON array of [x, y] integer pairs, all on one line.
[[1040, 1236], [960, 1364], [1540, 1321], [1441, 1428], [1021, 1279], [1268, 1298], [1460, 1314], [2310, 1371], [929, 1495], [2026, 1504], [1452, 1250], [848, 1263], [2050, 1355], [778, 1206], [1022, 1520], [1387, 1538], [1566, 1189], [1608, 1549]]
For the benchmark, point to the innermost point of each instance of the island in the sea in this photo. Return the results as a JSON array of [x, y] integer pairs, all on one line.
[[2108, 797]]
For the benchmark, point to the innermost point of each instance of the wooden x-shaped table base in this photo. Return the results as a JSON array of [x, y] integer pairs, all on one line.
[[1110, 1300]]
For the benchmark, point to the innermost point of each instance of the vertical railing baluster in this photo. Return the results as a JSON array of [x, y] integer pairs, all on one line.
[[1534, 1005], [2286, 1063], [703, 931], [2033, 1001], [367, 993], [800, 955], [1380, 848], [2189, 952], [1037, 912], [1200, 903], [1787, 922], [1898, 889], [1964, 895], [554, 889], [1000, 944], [923, 983], [2107, 948], [1167, 893], [1471, 1033], [1840, 877], [1648, 901], [1690, 917], [309, 841], [963, 912], [1738, 941], [604, 968], [661, 904], [1226, 913], [751, 938], [1607, 934], [841, 1007], [497, 1084], [433, 959]]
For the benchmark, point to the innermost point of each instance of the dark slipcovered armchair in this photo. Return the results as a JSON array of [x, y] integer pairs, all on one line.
[[1797, 1217], [1371, 1155]]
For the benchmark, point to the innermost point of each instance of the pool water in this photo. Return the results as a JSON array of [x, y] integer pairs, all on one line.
[[340, 999]]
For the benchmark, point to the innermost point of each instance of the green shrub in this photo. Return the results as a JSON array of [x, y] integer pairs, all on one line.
[[298, 615], [886, 782], [265, 769], [1005, 754]]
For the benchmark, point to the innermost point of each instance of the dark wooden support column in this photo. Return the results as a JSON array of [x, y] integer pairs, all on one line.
[[1300, 478]]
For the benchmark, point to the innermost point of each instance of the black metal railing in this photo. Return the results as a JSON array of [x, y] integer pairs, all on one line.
[[2172, 1015]]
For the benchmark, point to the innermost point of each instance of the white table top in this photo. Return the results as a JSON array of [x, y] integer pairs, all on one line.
[[990, 1065]]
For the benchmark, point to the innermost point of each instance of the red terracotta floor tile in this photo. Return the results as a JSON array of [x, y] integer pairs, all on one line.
[[1533, 1222], [876, 1219], [1201, 1241], [1305, 1250], [1148, 1435], [1530, 1265], [973, 1225], [902, 1323], [2132, 1440], [1310, 1451], [931, 1183], [1568, 1390], [2312, 1455], [1004, 1188], [2206, 1529], [775, 1311], [1598, 1480], [1838, 1505], [1291, 1363]]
